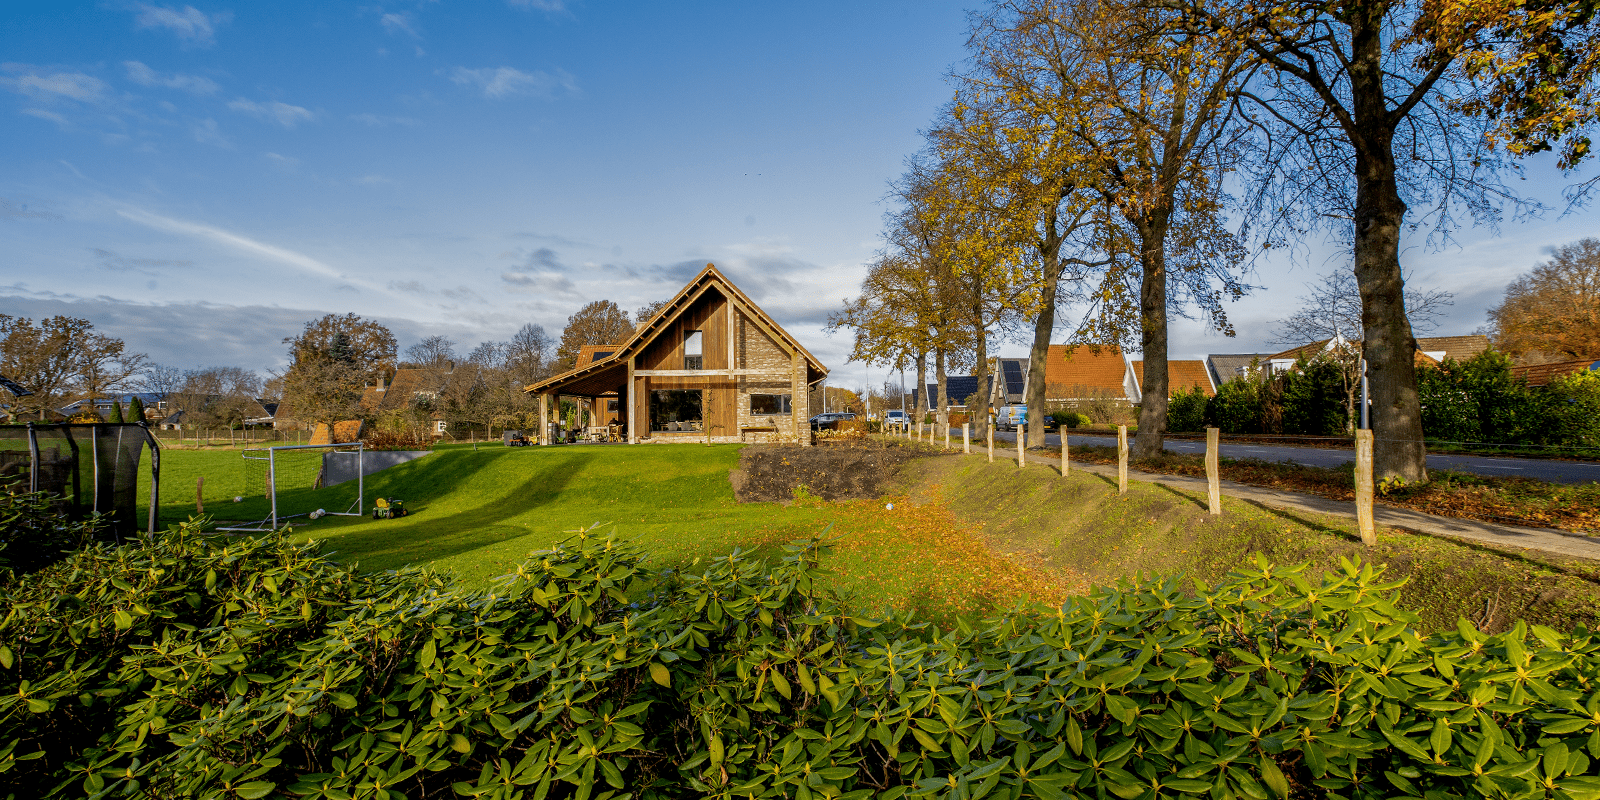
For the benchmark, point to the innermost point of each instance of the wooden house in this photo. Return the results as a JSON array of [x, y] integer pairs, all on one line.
[[710, 366]]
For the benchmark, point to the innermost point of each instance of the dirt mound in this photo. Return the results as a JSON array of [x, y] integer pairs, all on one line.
[[769, 473]]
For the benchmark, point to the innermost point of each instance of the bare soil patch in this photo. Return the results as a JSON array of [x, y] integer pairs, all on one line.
[[855, 471]]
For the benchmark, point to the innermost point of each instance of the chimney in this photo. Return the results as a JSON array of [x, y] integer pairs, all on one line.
[[380, 381]]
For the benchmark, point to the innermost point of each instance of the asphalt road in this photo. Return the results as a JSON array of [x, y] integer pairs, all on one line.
[[1540, 469]]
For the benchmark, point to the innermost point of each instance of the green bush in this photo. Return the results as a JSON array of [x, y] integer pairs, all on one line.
[[1186, 411], [246, 668], [1236, 407], [1573, 403], [33, 534], [1314, 399], [1070, 419]]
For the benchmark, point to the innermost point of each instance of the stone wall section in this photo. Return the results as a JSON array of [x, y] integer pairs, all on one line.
[[757, 351]]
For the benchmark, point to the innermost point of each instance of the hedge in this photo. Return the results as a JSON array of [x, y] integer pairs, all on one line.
[[211, 668]]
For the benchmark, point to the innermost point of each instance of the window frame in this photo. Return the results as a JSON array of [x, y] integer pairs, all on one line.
[[696, 360], [785, 404]]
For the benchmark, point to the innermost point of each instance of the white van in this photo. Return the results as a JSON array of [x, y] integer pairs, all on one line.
[[1011, 416]]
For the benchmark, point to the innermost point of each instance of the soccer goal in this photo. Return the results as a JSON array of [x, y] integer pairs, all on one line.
[[309, 480]]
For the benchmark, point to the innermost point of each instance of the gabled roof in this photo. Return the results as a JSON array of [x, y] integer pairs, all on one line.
[[1459, 348], [1181, 376], [595, 377], [1227, 366], [400, 389], [1089, 366]]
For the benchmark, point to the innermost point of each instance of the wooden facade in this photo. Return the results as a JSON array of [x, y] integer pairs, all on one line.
[[749, 381]]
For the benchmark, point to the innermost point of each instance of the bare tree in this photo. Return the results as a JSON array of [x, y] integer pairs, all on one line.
[[648, 311], [1332, 310], [433, 352], [103, 366], [528, 354], [161, 380]]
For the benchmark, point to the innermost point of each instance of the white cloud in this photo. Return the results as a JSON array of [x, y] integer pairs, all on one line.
[[193, 84], [55, 85], [378, 121], [47, 115], [539, 5], [399, 23], [228, 238], [189, 23], [205, 132], [287, 162], [505, 81], [282, 113]]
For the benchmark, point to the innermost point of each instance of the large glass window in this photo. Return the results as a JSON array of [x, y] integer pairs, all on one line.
[[691, 351], [770, 404], [673, 410]]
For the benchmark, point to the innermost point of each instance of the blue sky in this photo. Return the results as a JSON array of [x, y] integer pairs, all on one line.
[[202, 179]]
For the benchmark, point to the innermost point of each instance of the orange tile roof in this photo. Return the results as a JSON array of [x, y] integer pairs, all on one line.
[[1181, 376], [1542, 374], [1087, 366]]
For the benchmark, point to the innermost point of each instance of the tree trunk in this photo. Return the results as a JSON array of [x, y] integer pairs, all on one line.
[[921, 393], [1043, 326], [978, 410], [939, 377], [1154, 387], [1390, 347]]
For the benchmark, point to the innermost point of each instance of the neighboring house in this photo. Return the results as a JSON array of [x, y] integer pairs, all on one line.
[[1225, 367], [269, 417], [1089, 372], [1542, 374], [102, 405], [250, 411], [404, 387], [711, 365], [1181, 377], [1430, 350]]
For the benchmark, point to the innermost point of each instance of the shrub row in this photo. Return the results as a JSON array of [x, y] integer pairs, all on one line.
[[244, 668], [1477, 400]]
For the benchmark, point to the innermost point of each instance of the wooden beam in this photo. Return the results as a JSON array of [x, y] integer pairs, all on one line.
[[708, 373], [633, 404]]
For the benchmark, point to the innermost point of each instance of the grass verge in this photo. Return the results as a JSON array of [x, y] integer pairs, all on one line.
[[1080, 525], [1509, 501]]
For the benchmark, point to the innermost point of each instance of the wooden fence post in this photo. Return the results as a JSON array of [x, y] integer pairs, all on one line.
[[966, 437], [947, 433], [1022, 447], [991, 442], [1122, 459], [1369, 535], [1065, 465], [200, 495], [1213, 466]]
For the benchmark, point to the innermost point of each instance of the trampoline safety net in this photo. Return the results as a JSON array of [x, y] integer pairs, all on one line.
[[91, 467]]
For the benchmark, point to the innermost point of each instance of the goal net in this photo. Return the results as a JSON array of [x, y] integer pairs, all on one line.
[[306, 481]]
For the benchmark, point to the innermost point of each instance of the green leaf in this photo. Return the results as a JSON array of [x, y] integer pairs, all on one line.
[[459, 743], [255, 790], [926, 741], [123, 619], [660, 674], [1273, 777], [715, 746], [425, 658], [5, 657]]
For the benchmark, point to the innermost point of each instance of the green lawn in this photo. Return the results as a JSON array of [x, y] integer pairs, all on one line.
[[480, 512]]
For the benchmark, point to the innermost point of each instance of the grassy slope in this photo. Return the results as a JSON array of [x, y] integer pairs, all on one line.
[[479, 513], [1080, 525]]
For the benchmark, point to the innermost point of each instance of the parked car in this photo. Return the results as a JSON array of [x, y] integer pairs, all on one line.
[[1010, 417], [830, 421], [896, 419]]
